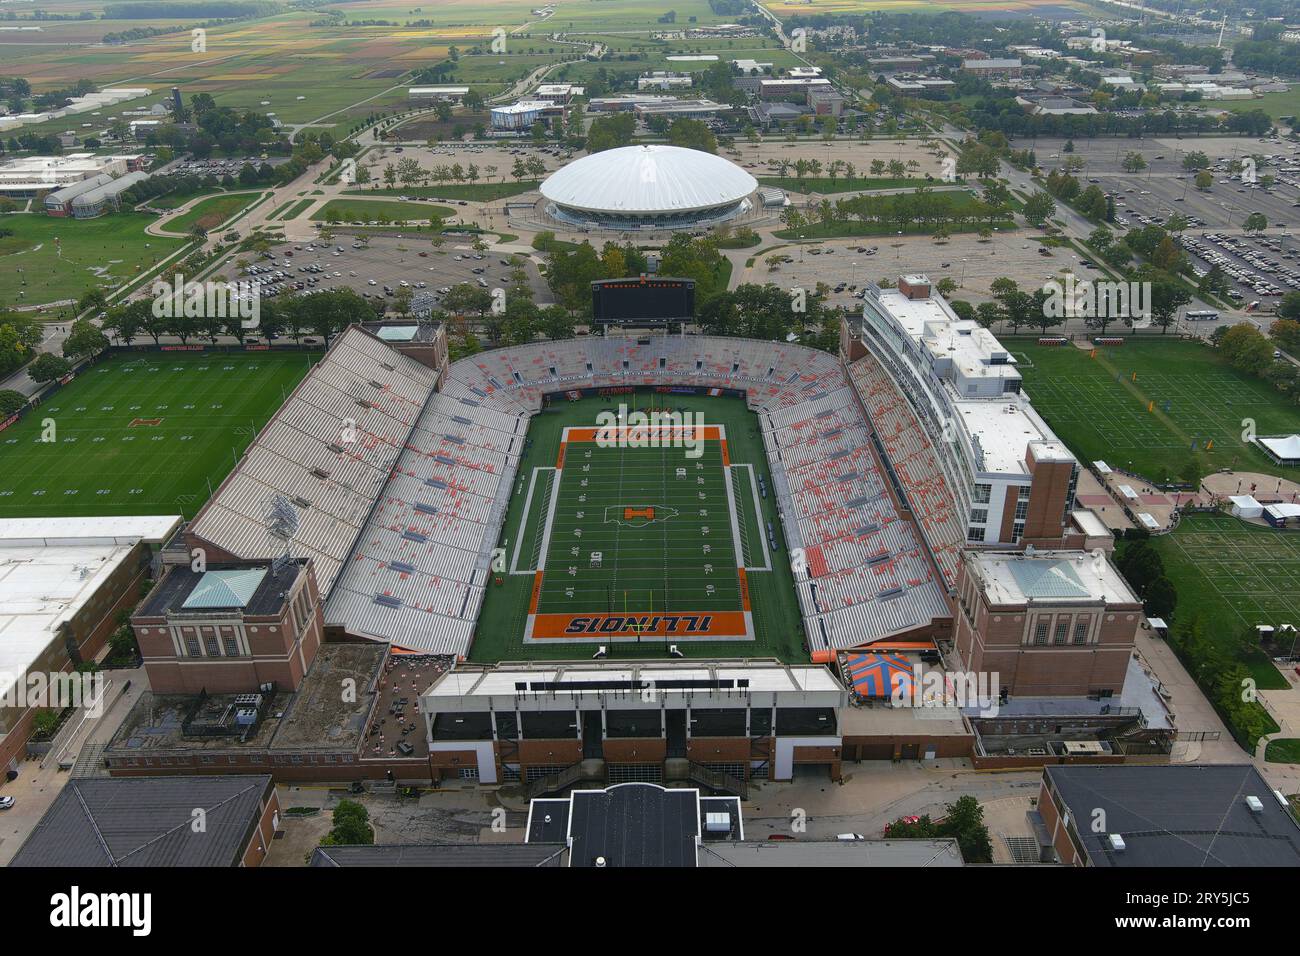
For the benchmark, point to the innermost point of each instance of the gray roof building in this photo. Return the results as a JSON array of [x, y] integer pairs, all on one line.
[[149, 821], [1186, 816], [442, 854]]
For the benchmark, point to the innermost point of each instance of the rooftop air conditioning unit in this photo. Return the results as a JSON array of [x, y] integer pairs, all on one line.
[[1280, 797], [717, 822], [1116, 842], [1255, 804]]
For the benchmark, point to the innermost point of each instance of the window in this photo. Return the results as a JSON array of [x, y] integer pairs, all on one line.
[[1040, 632], [1081, 631], [214, 649], [1017, 530], [232, 646], [1062, 630], [192, 647], [979, 515], [974, 534], [1022, 509], [982, 494]]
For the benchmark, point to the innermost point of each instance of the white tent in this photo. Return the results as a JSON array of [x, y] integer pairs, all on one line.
[[1245, 506]]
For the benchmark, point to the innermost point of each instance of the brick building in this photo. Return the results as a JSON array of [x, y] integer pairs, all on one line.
[[1049, 623], [231, 627]]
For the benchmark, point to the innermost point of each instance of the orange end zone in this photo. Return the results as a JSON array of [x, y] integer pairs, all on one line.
[[716, 625], [630, 514], [711, 432]]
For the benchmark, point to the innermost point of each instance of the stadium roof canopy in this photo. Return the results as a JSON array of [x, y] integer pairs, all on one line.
[[647, 180]]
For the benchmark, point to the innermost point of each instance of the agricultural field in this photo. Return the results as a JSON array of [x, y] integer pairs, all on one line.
[[52, 260], [645, 542], [1055, 9], [142, 433], [1098, 406]]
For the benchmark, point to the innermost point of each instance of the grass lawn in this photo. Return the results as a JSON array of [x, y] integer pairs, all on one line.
[[650, 563], [364, 210], [1234, 576], [474, 192], [826, 185], [292, 210], [1283, 750], [1100, 410], [50, 259], [211, 212], [193, 414]]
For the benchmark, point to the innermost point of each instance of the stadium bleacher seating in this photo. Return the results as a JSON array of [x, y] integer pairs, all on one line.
[[403, 526]]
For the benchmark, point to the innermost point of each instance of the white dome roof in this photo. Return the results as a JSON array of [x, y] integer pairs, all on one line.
[[648, 179]]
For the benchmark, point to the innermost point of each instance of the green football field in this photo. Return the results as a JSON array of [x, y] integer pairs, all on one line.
[[634, 528], [638, 547], [142, 433], [1099, 406]]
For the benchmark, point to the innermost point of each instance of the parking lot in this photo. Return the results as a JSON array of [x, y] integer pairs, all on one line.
[[1258, 268], [1164, 189], [972, 264], [377, 268], [495, 161]]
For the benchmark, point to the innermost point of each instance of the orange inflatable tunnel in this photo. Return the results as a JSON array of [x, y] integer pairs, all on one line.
[[823, 657]]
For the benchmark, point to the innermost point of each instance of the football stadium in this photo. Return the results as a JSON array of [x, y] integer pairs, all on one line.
[[733, 496]]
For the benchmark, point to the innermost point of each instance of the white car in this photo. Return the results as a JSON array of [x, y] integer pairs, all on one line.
[[6, 803]]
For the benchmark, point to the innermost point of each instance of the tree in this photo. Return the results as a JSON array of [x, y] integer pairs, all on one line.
[[1204, 181], [1160, 598], [351, 826], [1039, 208], [1255, 222], [84, 340], [94, 300], [11, 401], [1134, 162], [48, 367]]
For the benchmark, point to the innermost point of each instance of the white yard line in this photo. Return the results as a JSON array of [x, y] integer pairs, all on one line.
[[523, 524]]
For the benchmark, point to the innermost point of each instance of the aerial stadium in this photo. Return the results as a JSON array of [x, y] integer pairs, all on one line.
[[648, 187], [824, 513], [767, 535]]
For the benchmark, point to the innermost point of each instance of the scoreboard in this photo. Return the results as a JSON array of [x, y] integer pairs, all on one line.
[[642, 301]]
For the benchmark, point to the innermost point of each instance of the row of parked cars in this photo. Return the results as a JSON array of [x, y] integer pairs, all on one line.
[[1230, 249]]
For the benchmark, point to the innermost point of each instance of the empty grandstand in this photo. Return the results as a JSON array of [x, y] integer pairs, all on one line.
[[401, 523]]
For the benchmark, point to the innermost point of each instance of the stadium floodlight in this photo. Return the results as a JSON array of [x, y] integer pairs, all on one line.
[[282, 517]]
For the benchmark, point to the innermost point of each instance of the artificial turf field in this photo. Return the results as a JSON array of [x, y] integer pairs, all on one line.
[[142, 433], [1098, 406], [682, 558]]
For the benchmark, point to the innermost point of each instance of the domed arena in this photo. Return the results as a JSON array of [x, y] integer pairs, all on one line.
[[648, 187]]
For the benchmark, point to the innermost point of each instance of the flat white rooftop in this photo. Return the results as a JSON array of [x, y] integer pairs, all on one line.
[[50, 567], [1004, 429], [1049, 577], [763, 678], [119, 529]]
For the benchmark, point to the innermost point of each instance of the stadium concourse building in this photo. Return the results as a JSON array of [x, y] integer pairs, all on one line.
[[649, 187]]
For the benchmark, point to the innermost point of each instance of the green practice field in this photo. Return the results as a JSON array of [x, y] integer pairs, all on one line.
[[638, 546], [142, 434], [1235, 576], [1099, 409]]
